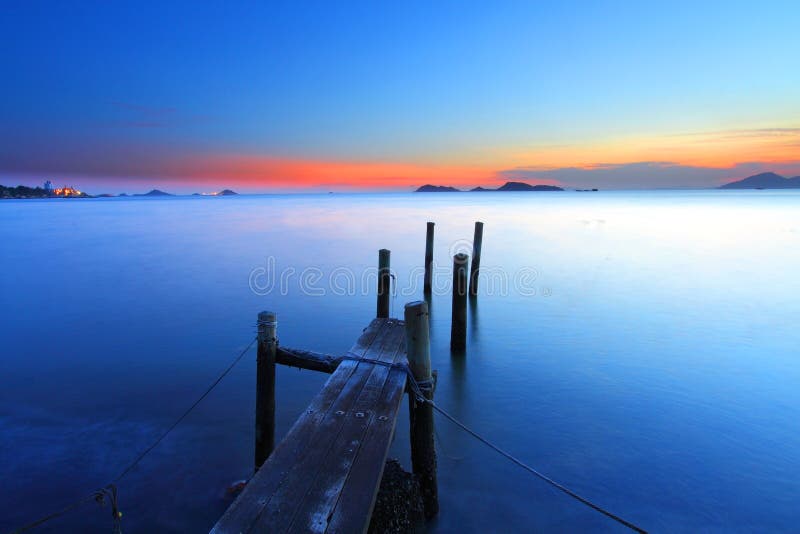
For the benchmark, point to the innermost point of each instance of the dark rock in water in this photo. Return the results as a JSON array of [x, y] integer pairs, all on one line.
[[196, 195], [226, 193], [436, 189], [398, 507]]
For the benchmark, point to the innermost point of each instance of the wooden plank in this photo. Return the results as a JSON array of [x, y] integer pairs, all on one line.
[[353, 443], [281, 509], [357, 498], [244, 511]]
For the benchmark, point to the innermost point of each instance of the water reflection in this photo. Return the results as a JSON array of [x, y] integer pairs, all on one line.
[[474, 330]]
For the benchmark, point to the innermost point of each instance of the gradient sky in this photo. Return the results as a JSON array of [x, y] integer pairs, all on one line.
[[260, 96]]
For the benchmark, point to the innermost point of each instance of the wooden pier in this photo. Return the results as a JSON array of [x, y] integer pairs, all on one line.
[[325, 474]]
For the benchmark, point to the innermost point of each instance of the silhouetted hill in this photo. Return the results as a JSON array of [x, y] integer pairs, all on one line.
[[522, 186], [508, 186], [154, 193], [427, 188], [226, 193], [765, 180], [22, 191], [518, 186]]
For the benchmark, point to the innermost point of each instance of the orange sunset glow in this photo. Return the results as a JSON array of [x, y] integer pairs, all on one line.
[[778, 148]]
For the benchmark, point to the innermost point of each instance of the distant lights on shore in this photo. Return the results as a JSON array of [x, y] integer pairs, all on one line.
[[65, 191]]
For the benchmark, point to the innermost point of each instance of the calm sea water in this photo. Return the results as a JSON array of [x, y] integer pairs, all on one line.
[[643, 351]]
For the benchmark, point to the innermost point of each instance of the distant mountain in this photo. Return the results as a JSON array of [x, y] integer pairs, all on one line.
[[508, 186], [226, 193], [436, 189], [522, 186], [518, 186], [154, 193], [765, 180]]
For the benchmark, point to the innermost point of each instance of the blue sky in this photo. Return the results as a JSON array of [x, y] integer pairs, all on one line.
[[151, 93]]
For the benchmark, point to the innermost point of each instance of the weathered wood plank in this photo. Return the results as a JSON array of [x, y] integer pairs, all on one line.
[[244, 511], [321, 461], [357, 498], [353, 445]]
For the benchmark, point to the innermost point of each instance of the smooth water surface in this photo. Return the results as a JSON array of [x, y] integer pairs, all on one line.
[[641, 348]]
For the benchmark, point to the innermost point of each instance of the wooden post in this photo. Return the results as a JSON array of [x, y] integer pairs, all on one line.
[[423, 451], [477, 241], [384, 283], [428, 259], [458, 327], [265, 386]]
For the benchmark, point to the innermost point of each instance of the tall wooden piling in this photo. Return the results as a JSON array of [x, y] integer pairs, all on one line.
[[384, 283], [423, 451], [265, 386], [458, 327], [428, 259], [477, 241]]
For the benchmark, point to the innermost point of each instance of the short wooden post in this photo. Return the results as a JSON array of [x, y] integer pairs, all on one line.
[[458, 327], [477, 241], [423, 451], [265, 386], [384, 283], [428, 259]]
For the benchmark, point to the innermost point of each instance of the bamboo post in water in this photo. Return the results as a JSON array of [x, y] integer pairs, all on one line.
[[384, 283], [477, 241], [458, 327], [423, 451], [265, 386], [428, 258]]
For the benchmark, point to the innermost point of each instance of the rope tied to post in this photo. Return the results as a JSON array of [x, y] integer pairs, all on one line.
[[268, 323], [419, 388]]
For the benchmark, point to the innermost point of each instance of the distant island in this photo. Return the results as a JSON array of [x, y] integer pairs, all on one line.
[[522, 186], [48, 191], [765, 180], [437, 189], [223, 193], [154, 193], [508, 186]]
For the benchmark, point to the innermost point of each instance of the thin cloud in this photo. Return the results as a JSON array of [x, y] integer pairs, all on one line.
[[648, 174]]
